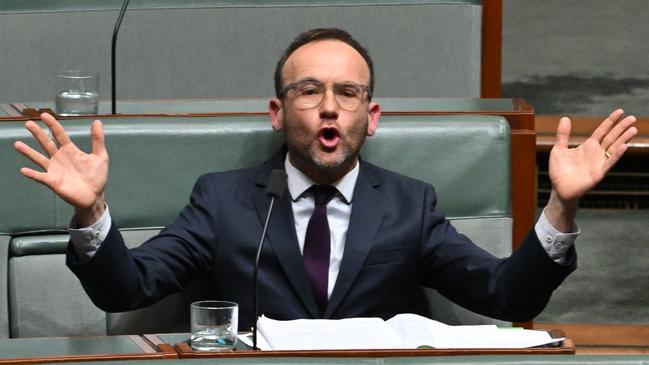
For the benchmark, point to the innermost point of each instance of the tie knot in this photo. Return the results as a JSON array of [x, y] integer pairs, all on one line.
[[322, 194]]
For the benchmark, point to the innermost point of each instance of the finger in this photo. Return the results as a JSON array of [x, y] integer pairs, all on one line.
[[563, 133], [35, 156], [620, 129], [618, 149], [41, 137], [606, 125], [623, 139], [98, 141], [37, 176], [57, 129], [615, 156]]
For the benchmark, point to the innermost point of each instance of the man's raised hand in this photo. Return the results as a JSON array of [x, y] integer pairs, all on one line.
[[77, 177], [574, 171]]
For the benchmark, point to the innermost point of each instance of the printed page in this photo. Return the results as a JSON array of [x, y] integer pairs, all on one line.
[[415, 331], [328, 334], [458, 337]]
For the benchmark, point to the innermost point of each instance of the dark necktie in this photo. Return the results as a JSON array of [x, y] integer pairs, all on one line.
[[317, 244]]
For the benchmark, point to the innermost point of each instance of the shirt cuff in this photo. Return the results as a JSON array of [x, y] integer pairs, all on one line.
[[86, 240], [555, 243]]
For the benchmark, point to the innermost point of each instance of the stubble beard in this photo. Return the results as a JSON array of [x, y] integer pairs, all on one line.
[[307, 150]]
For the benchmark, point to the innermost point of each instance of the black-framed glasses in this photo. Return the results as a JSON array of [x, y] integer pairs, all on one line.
[[308, 94]]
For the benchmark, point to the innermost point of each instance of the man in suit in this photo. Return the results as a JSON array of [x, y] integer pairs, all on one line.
[[384, 239]]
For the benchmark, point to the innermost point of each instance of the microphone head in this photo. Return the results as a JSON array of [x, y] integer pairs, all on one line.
[[276, 183]]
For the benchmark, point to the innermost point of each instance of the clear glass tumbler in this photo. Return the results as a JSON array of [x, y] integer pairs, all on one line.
[[214, 325], [77, 93]]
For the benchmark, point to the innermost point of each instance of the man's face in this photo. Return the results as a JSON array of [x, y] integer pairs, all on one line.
[[324, 139]]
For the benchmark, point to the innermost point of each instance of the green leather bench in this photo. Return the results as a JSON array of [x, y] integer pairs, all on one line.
[[154, 164]]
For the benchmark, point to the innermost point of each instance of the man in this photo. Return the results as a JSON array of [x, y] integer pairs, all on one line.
[[379, 252]]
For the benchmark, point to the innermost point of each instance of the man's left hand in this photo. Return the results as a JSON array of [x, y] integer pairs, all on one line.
[[574, 171]]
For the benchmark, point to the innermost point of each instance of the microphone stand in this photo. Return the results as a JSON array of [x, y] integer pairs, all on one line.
[[254, 276], [275, 188], [112, 57]]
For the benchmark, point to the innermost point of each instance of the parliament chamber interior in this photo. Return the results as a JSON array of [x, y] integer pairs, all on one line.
[[471, 93]]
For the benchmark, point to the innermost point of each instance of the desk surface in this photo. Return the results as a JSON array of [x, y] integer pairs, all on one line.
[[601, 339], [55, 349], [458, 360], [115, 350]]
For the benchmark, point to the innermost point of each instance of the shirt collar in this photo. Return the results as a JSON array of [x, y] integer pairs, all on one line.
[[298, 182]]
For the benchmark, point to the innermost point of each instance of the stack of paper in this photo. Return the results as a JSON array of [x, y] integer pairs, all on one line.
[[403, 331]]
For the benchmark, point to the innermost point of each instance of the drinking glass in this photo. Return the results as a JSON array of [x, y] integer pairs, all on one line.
[[214, 325], [77, 93]]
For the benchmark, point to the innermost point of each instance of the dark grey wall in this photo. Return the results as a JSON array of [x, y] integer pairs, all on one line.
[[421, 48], [577, 56], [611, 281]]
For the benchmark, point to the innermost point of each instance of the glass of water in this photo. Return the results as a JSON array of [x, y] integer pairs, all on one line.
[[214, 325], [77, 92]]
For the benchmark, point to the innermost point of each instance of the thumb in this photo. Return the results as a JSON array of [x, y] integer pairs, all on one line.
[[563, 133], [98, 142]]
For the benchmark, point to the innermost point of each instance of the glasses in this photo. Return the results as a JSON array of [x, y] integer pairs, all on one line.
[[308, 94]]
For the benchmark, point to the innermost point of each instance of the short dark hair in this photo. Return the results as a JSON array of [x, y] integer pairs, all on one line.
[[317, 35]]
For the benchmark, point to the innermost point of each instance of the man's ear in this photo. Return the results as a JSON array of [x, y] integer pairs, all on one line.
[[276, 113], [373, 116]]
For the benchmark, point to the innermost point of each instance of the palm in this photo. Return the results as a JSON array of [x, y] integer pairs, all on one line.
[[77, 177], [574, 171]]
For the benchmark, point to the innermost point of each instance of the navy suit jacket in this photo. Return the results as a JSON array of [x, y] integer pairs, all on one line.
[[397, 242]]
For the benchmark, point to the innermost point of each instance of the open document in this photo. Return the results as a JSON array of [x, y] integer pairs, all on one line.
[[403, 331]]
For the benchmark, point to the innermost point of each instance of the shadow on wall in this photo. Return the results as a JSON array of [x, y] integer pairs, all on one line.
[[582, 94]]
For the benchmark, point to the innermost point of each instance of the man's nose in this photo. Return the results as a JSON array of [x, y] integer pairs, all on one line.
[[329, 106]]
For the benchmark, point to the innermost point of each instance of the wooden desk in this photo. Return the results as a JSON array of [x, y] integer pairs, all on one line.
[[66, 349], [8, 111], [457, 360], [604, 339], [243, 351], [160, 347]]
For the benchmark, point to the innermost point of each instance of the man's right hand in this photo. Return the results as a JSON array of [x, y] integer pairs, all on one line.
[[77, 177]]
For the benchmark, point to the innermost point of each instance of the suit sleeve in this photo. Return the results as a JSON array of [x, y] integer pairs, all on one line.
[[118, 279], [516, 288]]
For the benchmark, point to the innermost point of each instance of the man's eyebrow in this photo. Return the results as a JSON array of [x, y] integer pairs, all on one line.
[[314, 80], [348, 83], [306, 79]]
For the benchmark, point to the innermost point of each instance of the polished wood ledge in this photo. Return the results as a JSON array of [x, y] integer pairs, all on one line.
[[604, 339]]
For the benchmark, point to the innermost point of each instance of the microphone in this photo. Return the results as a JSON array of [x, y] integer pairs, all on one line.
[[113, 49], [274, 189]]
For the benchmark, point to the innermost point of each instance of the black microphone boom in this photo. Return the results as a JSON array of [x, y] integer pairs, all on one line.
[[275, 189], [113, 87]]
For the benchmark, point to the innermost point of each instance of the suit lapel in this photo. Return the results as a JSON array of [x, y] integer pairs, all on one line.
[[282, 237], [364, 223]]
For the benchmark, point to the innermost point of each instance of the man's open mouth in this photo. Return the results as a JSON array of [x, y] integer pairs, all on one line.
[[329, 137]]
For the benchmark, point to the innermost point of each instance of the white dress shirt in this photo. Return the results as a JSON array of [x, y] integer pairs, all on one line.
[[339, 209]]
